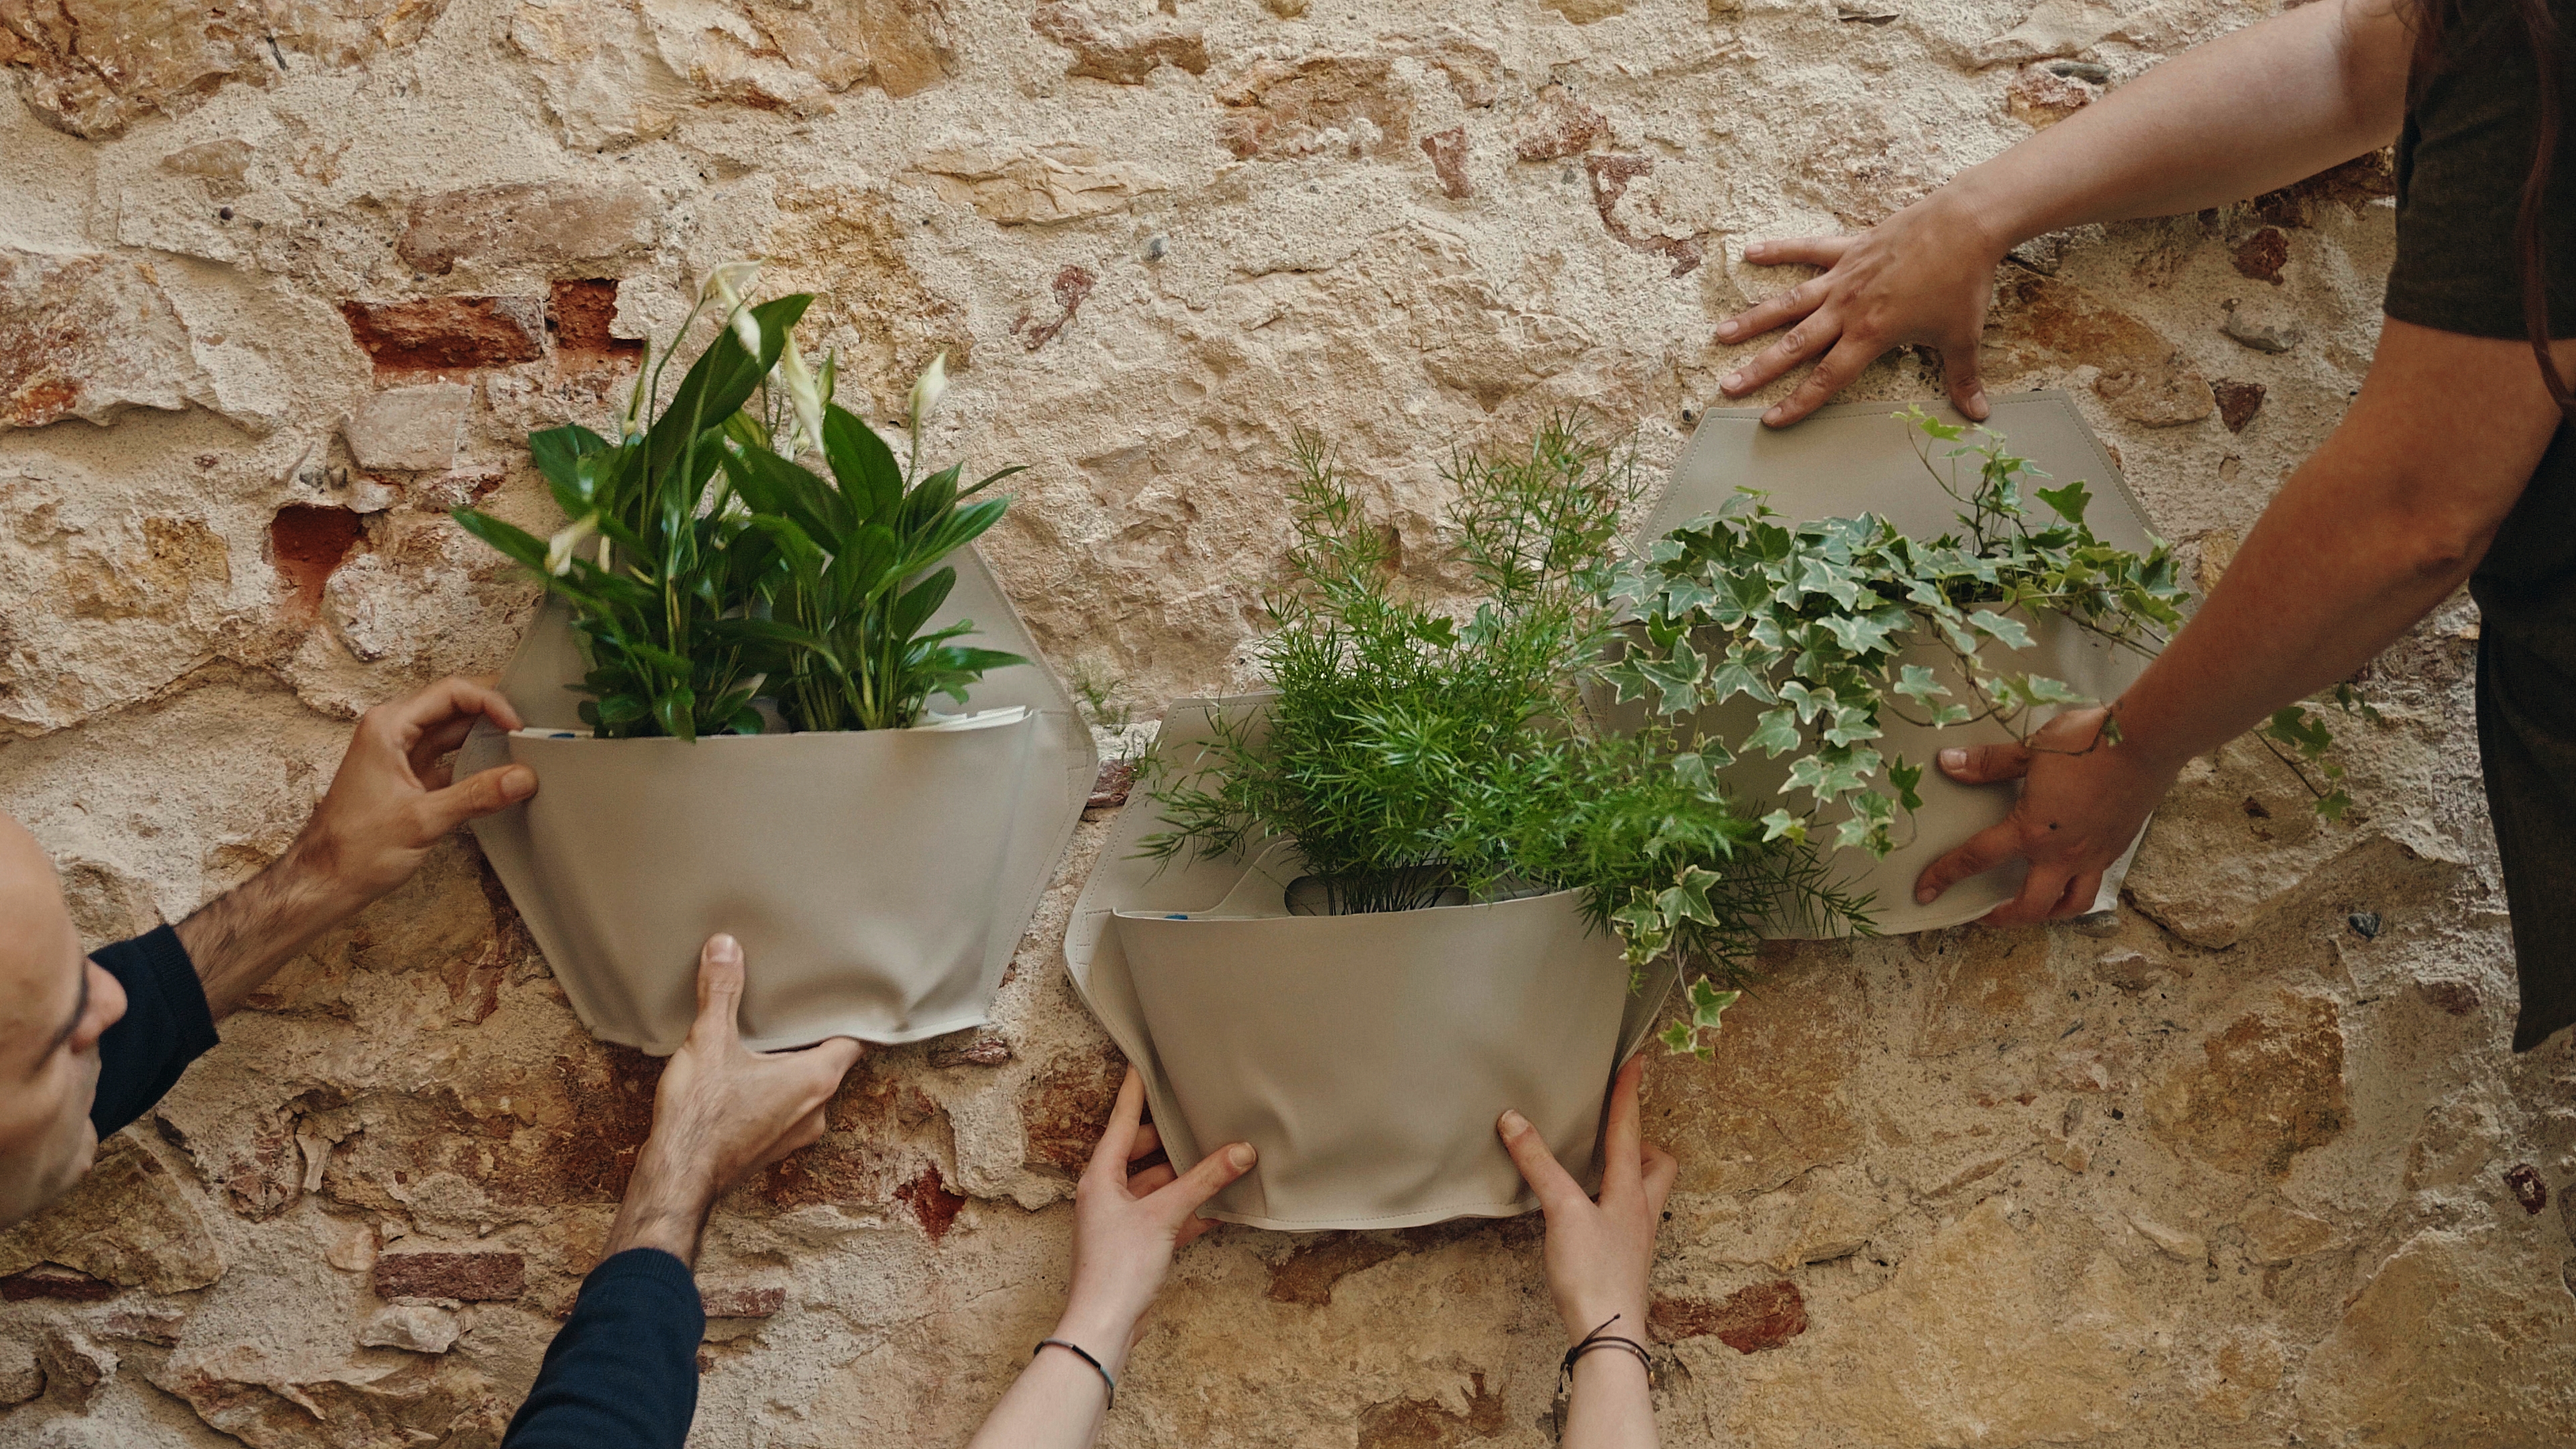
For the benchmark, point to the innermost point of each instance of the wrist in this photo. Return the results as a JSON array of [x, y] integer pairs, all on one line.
[[1104, 1333], [1608, 1317], [1978, 211], [664, 1208]]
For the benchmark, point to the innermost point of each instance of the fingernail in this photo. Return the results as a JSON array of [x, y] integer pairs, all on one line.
[[518, 783], [1954, 759], [1726, 330], [1772, 417], [1925, 895], [1240, 1155], [721, 947], [1514, 1124], [1731, 381]]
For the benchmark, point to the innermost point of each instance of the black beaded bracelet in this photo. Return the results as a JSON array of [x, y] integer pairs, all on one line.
[[1597, 1339], [1085, 1355]]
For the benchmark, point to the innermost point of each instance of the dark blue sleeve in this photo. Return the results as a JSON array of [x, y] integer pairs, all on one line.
[[623, 1371], [166, 1026]]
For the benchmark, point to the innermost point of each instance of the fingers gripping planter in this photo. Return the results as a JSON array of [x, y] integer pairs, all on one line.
[[1860, 458], [879, 880], [1365, 1056]]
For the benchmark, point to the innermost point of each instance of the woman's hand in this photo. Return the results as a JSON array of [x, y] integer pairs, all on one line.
[[1922, 276], [2083, 799], [1599, 1251], [1126, 1226], [1598, 1254]]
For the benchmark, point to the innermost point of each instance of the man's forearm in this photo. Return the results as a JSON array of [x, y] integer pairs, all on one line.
[[239, 939], [2244, 114]]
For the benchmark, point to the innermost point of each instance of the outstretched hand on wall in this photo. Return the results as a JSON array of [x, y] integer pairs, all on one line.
[[1127, 1224], [1599, 1253]]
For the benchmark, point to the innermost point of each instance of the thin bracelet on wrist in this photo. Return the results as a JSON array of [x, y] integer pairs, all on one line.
[[1078, 1351], [1597, 1338]]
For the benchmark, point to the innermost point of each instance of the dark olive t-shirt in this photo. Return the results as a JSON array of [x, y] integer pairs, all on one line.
[[2461, 162]]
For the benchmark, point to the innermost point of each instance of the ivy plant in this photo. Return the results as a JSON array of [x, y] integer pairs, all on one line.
[[1823, 627], [1418, 753]]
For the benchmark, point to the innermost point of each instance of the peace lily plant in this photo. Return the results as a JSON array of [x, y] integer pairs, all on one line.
[[706, 563]]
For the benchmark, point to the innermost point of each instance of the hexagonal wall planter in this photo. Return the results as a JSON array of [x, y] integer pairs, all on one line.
[[879, 880], [1365, 1056], [1859, 458]]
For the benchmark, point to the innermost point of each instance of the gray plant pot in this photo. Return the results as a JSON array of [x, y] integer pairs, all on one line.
[[1365, 1056], [878, 880]]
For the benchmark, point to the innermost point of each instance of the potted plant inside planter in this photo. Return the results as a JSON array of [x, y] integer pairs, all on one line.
[[756, 651], [1354, 919], [1816, 666]]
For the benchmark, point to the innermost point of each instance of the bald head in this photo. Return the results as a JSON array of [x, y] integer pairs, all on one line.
[[54, 1005]]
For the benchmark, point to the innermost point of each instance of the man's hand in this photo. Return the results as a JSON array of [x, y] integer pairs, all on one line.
[[722, 1113], [2082, 801], [1922, 276], [390, 801]]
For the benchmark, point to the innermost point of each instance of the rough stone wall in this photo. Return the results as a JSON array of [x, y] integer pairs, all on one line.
[[280, 283]]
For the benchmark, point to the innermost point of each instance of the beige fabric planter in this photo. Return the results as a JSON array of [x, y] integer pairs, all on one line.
[[878, 880], [1365, 1056], [1858, 458]]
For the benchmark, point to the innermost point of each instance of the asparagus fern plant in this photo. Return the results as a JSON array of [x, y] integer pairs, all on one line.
[[1414, 749]]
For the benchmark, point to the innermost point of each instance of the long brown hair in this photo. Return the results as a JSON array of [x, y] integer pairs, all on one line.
[[2433, 19]]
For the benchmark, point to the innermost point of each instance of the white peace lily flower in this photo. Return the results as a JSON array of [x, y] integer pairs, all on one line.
[[559, 548], [929, 388], [802, 394], [726, 284]]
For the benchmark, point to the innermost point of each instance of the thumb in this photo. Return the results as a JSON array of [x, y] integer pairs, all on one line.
[[1180, 1199], [720, 976], [1959, 371], [1985, 764], [1556, 1188], [476, 796]]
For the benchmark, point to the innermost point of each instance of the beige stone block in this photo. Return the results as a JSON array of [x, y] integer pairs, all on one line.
[[543, 223], [1777, 1099], [412, 1327], [2266, 1087], [1035, 185], [409, 429], [129, 1221], [1988, 1334], [2450, 1345], [89, 335]]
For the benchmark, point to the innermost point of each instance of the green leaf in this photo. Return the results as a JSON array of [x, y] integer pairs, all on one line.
[[1775, 735], [2013, 633], [2068, 502]]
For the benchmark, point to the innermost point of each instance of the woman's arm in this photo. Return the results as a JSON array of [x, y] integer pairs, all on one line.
[[2367, 537], [1599, 1254], [1125, 1230], [2244, 114]]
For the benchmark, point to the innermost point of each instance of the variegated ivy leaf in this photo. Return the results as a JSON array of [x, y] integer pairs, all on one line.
[[1676, 680], [1780, 824], [1707, 1003], [1851, 725], [1919, 684], [1688, 900], [1732, 677], [1776, 734], [1627, 682], [1867, 825], [2012, 632], [1830, 773], [1949, 714], [1864, 633]]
